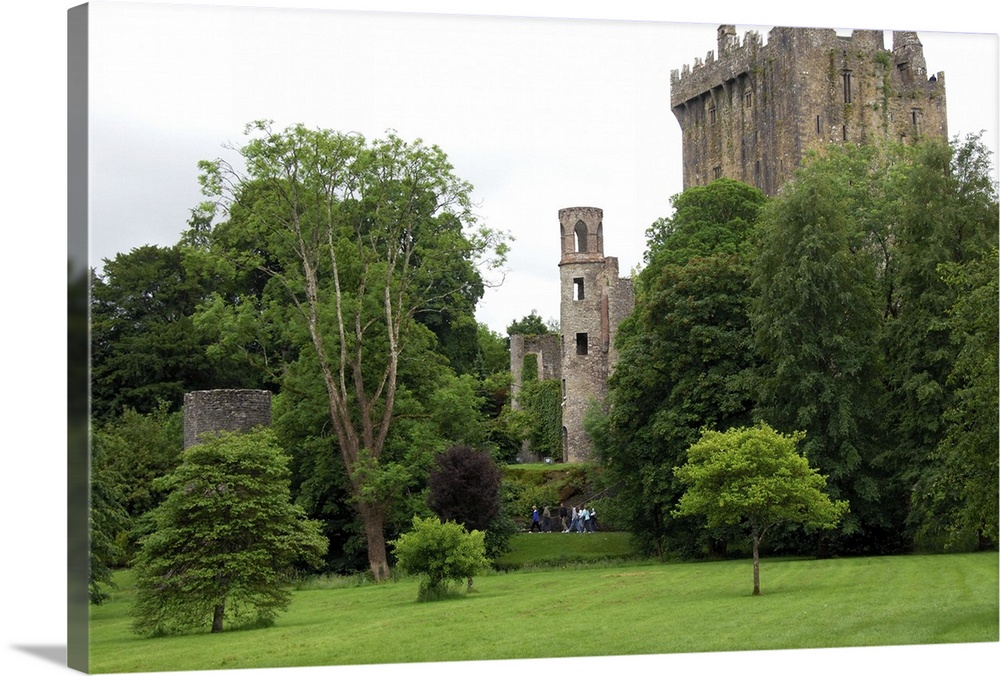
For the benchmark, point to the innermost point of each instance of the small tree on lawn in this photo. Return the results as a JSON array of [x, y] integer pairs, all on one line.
[[441, 550], [754, 477], [225, 539]]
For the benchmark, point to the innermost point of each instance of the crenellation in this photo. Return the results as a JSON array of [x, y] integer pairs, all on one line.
[[755, 111]]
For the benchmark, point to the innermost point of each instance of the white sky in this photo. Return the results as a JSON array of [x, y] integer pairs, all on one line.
[[155, 209], [537, 113]]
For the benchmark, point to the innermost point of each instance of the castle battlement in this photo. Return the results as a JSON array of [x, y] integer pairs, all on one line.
[[751, 111]]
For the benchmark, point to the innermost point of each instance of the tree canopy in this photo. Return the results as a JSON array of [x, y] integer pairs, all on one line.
[[357, 241], [753, 477], [224, 540]]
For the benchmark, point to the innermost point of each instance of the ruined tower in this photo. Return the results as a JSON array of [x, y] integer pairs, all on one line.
[[753, 111], [213, 411], [593, 301]]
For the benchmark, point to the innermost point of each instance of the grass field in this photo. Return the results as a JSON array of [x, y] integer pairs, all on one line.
[[625, 609]]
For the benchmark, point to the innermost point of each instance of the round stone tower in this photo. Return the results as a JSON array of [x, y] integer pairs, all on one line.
[[211, 411], [583, 322]]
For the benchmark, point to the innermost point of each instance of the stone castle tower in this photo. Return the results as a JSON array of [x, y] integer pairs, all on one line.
[[593, 301], [752, 112]]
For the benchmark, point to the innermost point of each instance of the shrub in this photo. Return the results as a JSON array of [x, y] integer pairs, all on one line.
[[442, 551]]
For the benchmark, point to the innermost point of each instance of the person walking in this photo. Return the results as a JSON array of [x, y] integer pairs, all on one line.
[[534, 520], [564, 516], [546, 519], [585, 520]]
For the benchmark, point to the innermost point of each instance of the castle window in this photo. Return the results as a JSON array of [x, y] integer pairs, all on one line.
[[847, 86], [844, 129], [711, 115], [578, 288], [819, 129], [915, 120], [580, 232], [581, 344], [716, 172], [747, 99]]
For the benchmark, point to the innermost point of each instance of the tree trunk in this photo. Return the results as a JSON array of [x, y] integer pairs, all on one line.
[[756, 565], [373, 518], [220, 610]]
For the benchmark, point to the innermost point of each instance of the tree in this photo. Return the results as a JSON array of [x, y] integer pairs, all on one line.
[[465, 487], [442, 551], [107, 519], [225, 539], [531, 324], [945, 220], [816, 322], [684, 361], [754, 477], [145, 346], [958, 492], [359, 238]]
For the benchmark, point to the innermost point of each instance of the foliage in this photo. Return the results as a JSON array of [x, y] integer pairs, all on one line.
[[225, 541], [108, 518], [137, 449], [531, 324], [442, 551], [755, 478], [362, 244], [684, 361], [946, 219], [816, 325], [144, 346], [465, 487], [960, 491]]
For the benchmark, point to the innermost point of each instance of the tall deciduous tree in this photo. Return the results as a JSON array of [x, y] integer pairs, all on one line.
[[224, 540], [361, 237], [684, 360], [754, 478], [816, 323]]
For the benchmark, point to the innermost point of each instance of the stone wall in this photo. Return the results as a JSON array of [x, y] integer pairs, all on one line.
[[211, 411], [752, 113]]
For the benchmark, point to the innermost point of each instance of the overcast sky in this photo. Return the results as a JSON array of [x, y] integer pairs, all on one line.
[[537, 113]]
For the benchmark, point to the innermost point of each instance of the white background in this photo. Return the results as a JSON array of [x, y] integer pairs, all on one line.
[[33, 187]]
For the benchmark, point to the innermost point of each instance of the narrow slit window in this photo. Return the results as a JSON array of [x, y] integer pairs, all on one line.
[[819, 128], [578, 288], [847, 87], [581, 344]]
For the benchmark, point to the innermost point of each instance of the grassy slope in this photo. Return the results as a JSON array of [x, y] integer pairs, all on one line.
[[626, 609]]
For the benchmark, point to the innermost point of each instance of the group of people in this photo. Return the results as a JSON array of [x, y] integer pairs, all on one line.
[[578, 519]]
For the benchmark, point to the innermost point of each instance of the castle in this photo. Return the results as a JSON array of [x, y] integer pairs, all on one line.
[[751, 114], [753, 111]]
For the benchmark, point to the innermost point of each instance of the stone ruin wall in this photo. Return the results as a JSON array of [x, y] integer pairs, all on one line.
[[213, 411]]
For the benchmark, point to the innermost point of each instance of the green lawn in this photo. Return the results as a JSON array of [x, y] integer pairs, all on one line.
[[624, 609]]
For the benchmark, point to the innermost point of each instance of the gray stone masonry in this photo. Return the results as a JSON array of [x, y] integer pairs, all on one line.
[[754, 110], [211, 411]]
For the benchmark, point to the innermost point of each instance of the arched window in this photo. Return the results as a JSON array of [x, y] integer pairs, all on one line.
[[580, 231]]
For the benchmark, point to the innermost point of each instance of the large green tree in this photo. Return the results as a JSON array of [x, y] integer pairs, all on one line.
[[684, 357], [944, 218], [357, 239], [754, 478], [816, 318], [144, 348], [224, 540]]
